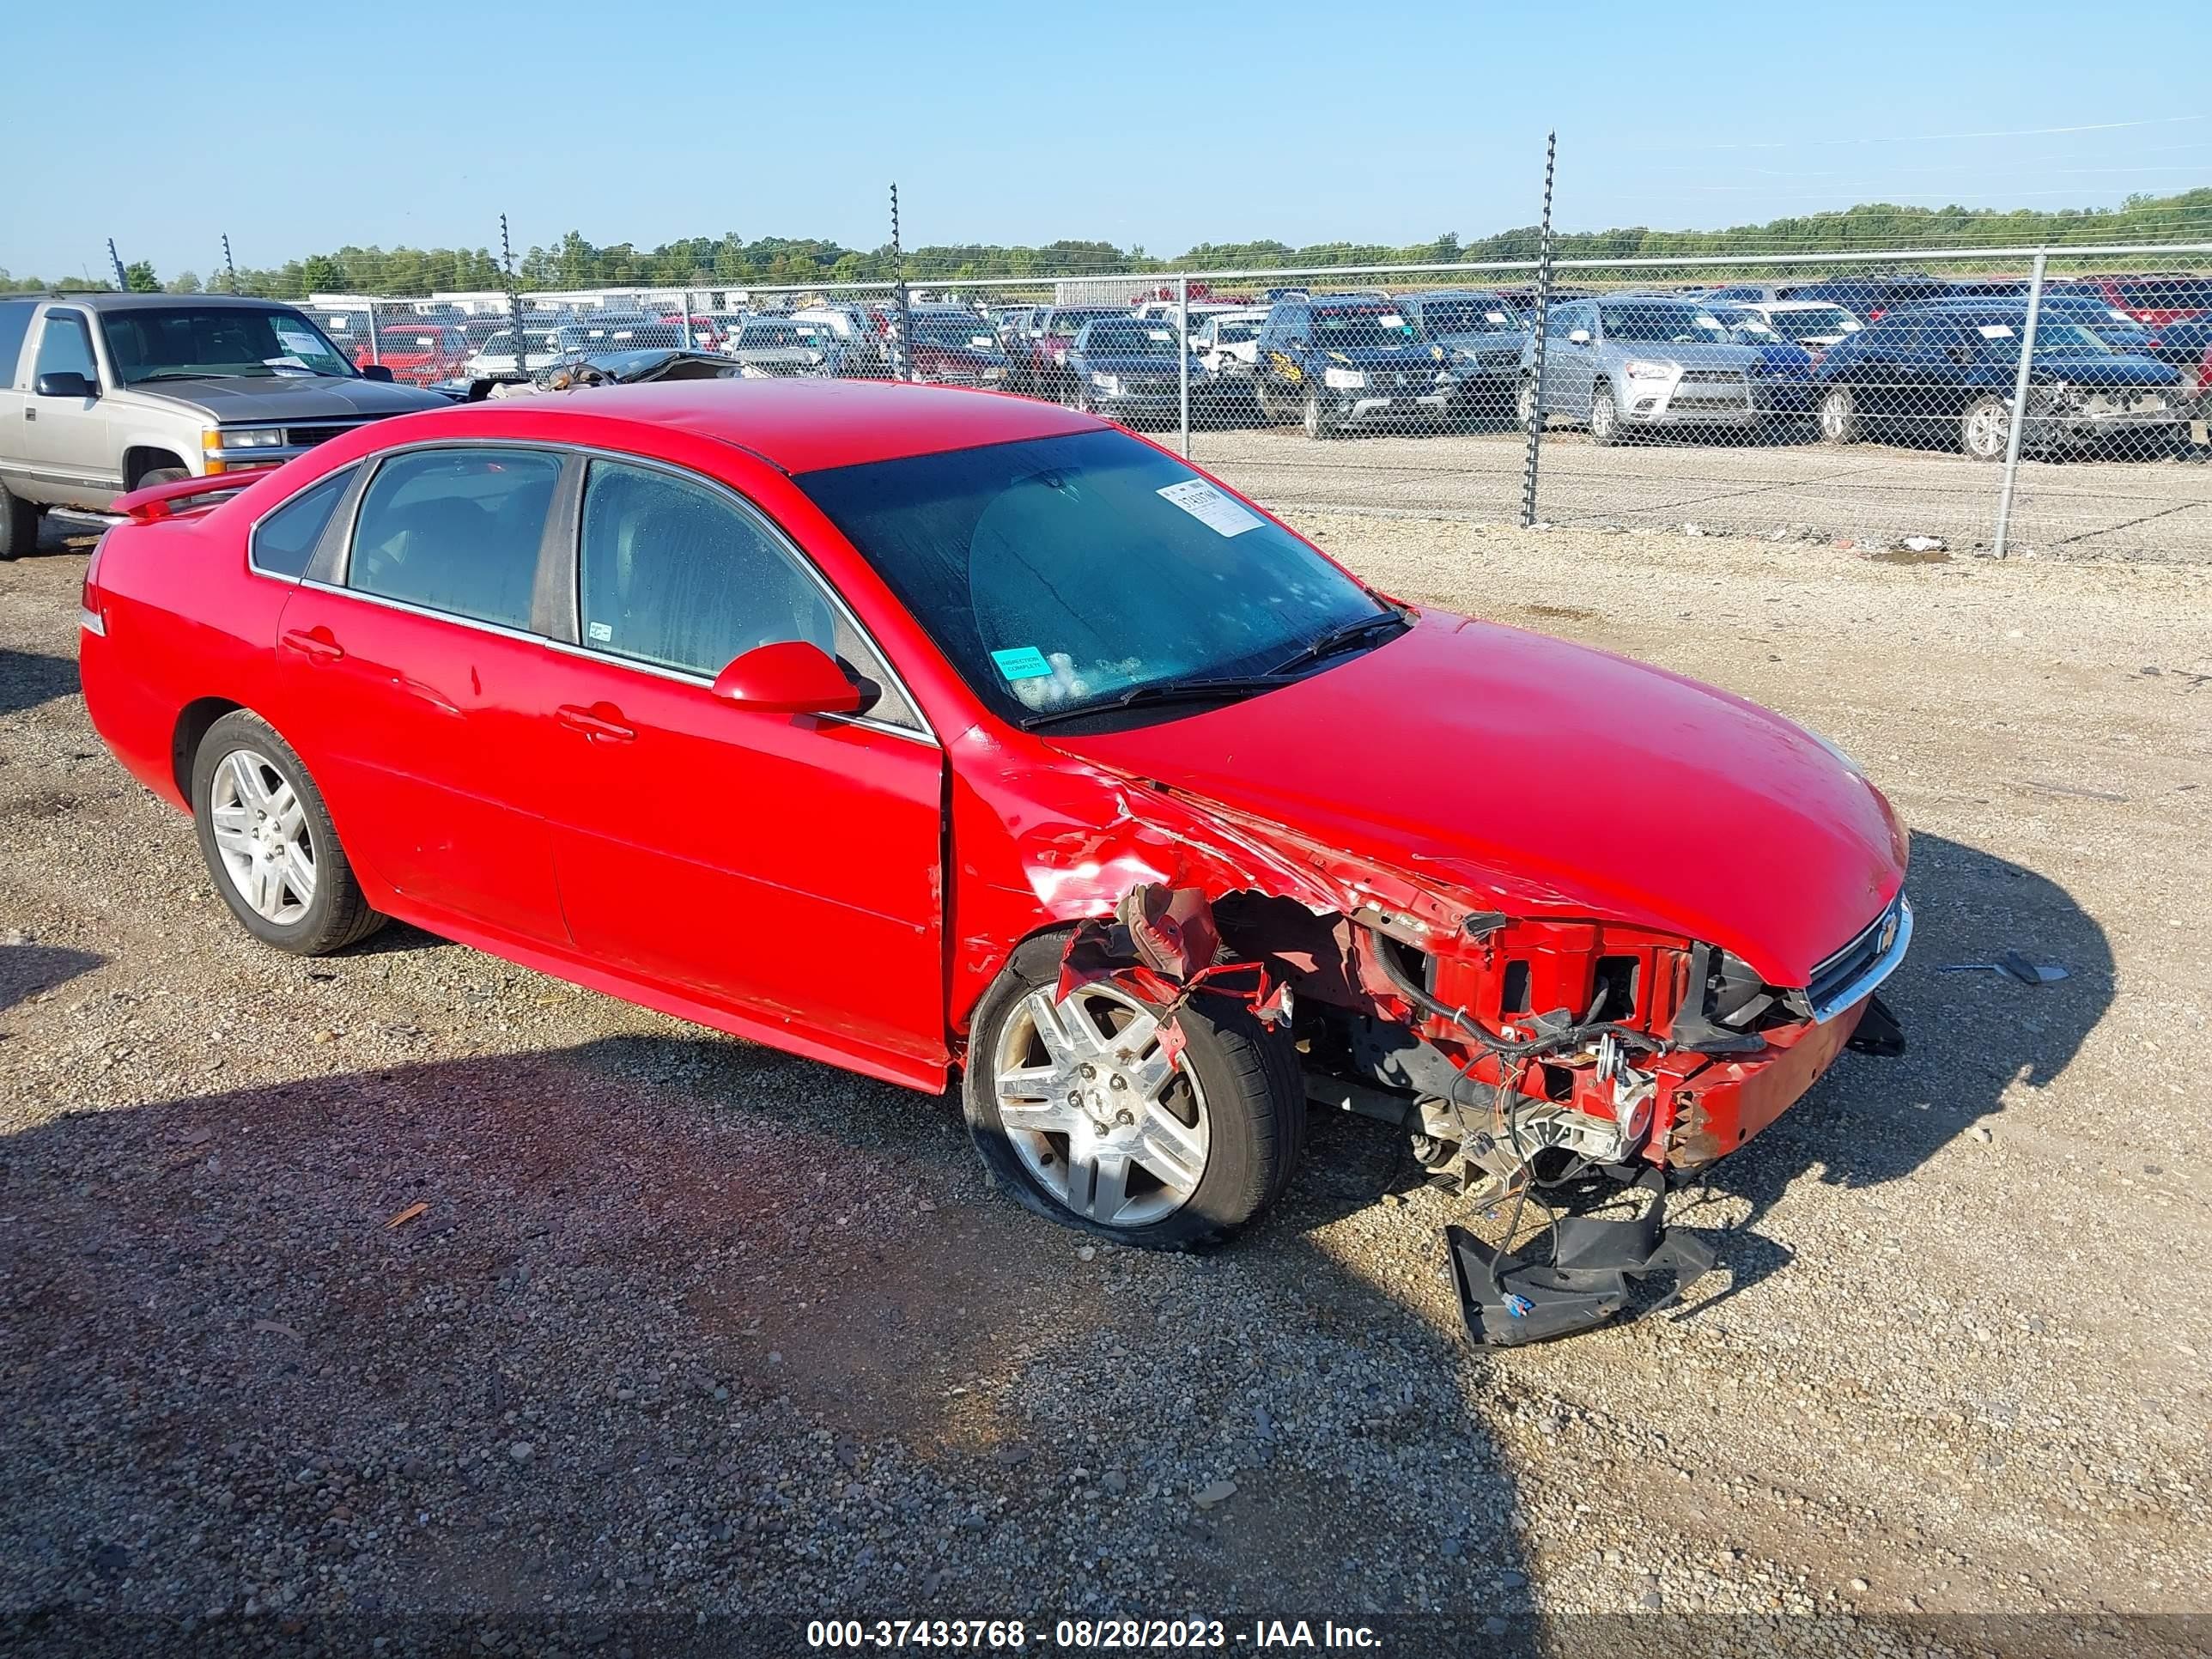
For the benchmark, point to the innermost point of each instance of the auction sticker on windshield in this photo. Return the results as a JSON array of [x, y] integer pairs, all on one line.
[[1216, 511], [1024, 662]]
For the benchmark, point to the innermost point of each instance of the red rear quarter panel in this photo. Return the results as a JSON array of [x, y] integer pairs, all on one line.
[[184, 619]]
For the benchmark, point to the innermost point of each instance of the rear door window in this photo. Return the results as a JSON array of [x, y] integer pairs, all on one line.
[[14, 325], [455, 531]]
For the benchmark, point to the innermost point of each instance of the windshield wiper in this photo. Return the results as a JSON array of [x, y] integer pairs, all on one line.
[[1220, 689], [1341, 638]]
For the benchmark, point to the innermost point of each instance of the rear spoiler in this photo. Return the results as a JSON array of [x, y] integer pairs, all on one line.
[[165, 500]]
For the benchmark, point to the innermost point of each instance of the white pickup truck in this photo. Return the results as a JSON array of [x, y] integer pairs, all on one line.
[[100, 393]]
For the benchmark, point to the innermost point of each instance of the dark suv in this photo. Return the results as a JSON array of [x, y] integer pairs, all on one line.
[[1335, 360], [1944, 373], [1481, 334]]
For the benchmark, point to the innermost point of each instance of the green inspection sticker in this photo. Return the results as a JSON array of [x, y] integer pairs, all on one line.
[[1024, 662]]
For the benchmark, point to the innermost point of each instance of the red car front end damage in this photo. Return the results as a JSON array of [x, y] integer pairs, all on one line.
[[1561, 919]]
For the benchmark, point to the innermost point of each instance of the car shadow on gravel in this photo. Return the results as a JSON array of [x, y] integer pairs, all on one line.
[[29, 679], [26, 969], [664, 1319], [1973, 1037]]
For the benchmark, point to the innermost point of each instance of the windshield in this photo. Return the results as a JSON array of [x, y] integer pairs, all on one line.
[[2002, 339], [504, 341], [973, 337], [1660, 321], [1748, 328], [1818, 323], [1057, 574], [184, 342], [1067, 322], [1235, 333], [1355, 328], [1130, 339], [1467, 317]]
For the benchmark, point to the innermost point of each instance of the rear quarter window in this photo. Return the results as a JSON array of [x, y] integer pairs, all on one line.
[[284, 542]]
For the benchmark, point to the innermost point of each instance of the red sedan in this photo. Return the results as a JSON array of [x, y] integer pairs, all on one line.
[[929, 732]]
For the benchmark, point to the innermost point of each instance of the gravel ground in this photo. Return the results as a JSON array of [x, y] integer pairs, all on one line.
[[683, 1329], [2077, 509]]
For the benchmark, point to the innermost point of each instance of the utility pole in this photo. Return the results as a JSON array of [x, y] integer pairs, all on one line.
[[1543, 311]]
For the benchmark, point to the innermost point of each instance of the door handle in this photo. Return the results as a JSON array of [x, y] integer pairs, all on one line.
[[602, 722], [315, 644]]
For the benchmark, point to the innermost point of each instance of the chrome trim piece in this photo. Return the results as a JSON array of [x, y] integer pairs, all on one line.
[[1856, 989]]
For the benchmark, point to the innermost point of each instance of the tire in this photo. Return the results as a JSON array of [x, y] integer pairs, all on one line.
[[1524, 406], [1235, 1090], [1317, 423], [19, 526], [1986, 428], [1604, 415], [161, 475], [1838, 417], [333, 913]]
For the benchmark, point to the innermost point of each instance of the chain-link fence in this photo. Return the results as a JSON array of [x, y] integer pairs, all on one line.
[[1868, 396]]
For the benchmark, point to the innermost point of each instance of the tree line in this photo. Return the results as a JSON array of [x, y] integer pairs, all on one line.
[[729, 261]]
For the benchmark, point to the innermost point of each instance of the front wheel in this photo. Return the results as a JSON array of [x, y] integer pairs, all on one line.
[[161, 475], [1524, 406], [1604, 414], [19, 526], [1838, 417], [270, 844], [1317, 423], [1075, 1105], [1986, 429]]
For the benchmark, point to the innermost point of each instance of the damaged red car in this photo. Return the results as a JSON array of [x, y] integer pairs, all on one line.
[[937, 734]]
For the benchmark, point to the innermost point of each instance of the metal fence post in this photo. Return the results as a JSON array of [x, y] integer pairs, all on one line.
[[1543, 311], [2020, 402], [683, 311], [513, 303], [1182, 368], [375, 348]]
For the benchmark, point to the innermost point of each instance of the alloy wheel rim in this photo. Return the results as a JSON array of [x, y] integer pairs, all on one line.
[[1099, 1113], [1601, 412], [1834, 412], [261, 836], [1986, 429]]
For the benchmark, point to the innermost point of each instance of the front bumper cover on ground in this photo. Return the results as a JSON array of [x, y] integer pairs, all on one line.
[[1508, 1299]]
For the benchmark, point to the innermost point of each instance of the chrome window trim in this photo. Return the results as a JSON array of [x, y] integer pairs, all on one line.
[[369, 465], [1869, 979]]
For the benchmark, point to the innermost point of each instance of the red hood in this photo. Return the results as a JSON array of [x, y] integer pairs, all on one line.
[[1550, 779]]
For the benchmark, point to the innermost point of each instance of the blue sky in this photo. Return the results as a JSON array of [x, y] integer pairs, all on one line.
[[1142, 124]]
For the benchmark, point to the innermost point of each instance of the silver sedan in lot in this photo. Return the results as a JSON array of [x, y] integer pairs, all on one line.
[[1630, 360]]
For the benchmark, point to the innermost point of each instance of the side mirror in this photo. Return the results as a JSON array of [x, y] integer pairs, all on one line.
[[1580, 336], [376, 372], [66, 384], [790, 676]]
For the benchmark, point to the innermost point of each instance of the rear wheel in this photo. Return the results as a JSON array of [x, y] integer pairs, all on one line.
[[1075, 1106], [19, 526], [1524, 406], [270, 844]]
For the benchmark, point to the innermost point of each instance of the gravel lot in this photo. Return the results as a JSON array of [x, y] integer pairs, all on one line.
[[689, 1330], [2087, 509]]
